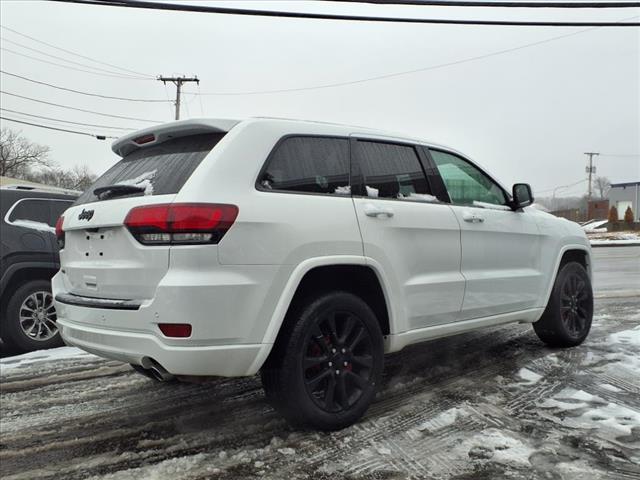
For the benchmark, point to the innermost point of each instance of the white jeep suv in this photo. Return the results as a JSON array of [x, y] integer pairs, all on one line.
[[305, 251]]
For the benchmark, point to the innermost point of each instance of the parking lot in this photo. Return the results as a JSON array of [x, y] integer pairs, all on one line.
[[484, 405]]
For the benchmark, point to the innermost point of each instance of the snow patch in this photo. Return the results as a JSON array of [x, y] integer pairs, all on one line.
[[442, 420], [610, 388], [579, 409], [53, 354], [343, 190], [143, 181], [372, 192], [496, 446], [42, 227], [418, 197], [528, 376], [491, 206]]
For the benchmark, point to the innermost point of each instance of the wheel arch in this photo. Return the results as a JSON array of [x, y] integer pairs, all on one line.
[[313, 272], [17, 275], [568, 253]]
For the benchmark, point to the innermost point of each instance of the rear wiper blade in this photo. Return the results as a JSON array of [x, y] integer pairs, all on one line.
[[116, 190]]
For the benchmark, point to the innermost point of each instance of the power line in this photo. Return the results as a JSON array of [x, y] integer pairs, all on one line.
[[620, 155], [69, 61], [456, 3], [78, 109], [562, 186], [80, 92], [398, 74], [66, 121], [329, 16], [99, 137], [70, 67], [74, 53]]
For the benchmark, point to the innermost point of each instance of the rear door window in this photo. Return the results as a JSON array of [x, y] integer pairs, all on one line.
[[39, 210], [161, 169], [391, 170], [308, 164], [30, 210]]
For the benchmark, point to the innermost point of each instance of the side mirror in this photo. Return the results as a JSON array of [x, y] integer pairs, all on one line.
[[522, 195]]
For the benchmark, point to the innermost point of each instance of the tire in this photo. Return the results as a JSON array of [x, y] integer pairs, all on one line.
[[566, 321], [326, 366], [33, 303]]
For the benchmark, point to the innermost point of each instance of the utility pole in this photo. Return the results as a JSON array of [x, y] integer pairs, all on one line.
[[590, 169], [178, 81]]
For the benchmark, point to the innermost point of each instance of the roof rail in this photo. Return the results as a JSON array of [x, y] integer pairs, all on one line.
[[37, 188]]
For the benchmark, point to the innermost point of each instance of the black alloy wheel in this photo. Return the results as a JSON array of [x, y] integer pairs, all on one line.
[[326, 365], [338, 362], [566, 320]]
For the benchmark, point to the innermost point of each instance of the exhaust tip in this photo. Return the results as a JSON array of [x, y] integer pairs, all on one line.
[[153, 370]]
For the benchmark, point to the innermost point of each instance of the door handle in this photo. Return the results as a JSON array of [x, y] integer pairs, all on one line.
[[472, 217], [371, 210]]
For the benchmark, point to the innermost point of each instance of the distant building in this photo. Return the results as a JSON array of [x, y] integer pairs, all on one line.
[[572, 214], [598, 209], [623, 195]]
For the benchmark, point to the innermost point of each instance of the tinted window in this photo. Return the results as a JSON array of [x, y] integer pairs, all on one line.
[[160, 169], [392, 171], [309, 164], [31, 210], [57, 208], [465, 183]]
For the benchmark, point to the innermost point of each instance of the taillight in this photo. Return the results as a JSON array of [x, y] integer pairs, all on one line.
[[60, 232], [180, 223]]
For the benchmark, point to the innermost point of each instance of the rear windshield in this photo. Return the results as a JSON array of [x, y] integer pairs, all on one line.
[[160, 169]]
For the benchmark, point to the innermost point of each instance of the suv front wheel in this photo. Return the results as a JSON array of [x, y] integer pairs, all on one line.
[[30, 320], [326, 365], [567, 319]]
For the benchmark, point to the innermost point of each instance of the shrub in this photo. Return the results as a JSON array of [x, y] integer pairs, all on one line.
[[628, 215], [613, 214]]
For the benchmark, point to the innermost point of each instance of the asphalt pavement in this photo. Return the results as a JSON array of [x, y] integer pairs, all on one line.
[[484, 405]]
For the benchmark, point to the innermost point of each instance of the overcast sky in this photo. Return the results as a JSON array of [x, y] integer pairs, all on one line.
[[527, 115]]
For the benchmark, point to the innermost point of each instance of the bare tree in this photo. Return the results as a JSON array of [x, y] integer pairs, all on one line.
[[603, 185], [18, 155], [77, 178]]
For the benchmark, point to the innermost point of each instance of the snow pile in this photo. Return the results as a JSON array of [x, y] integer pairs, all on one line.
[[372, 192], [614, 238], [42, 227], [51, 355], [143, 181]]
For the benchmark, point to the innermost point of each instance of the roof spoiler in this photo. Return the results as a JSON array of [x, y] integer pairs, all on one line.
[[182, 128]]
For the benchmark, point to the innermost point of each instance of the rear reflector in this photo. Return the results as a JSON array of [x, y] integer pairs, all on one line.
[[181, 223], [180, 330], [60, 232]]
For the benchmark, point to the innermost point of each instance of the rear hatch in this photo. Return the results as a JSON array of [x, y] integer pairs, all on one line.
[[101, 258]]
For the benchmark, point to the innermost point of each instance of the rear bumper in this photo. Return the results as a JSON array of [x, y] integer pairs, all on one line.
[[137, 348]]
